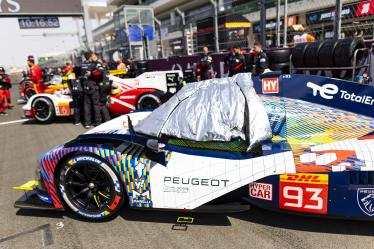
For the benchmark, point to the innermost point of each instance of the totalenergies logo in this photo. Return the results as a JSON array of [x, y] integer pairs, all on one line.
[[305, 178]]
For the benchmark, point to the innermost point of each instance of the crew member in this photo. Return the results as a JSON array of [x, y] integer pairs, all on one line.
[[105, 88], [90, 90], [236, 62], [121, 67], [203, 69], [68, 67], [301, 35], [261, 61], [36, 75], [3, 98], [5, 80], [76, 90]]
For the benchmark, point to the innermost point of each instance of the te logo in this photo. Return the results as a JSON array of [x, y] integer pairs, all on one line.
[[326, 91], [270, 85]]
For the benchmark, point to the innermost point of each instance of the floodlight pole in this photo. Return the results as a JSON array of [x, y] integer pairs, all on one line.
[[338, 20], [278, 22], [263, 22], [158, 22], [181, 14], [285, 25], [216, 34]]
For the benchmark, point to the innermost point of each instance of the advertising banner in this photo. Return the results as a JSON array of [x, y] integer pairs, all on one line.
[[40, 7]]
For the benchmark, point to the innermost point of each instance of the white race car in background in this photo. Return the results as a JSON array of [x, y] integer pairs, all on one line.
[[147, 91]]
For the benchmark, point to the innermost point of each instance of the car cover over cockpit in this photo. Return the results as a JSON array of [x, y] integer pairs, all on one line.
[[212, 110]]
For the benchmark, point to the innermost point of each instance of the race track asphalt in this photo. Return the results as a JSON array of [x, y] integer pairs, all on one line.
[[20, 145]]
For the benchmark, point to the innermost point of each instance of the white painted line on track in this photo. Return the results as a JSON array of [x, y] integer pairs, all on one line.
[[15, 121]]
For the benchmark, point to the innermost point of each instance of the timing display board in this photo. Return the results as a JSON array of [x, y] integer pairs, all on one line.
[[40, 7], [39, 22]]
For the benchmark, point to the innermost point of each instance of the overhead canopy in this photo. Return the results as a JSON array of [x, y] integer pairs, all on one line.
[[211, 110]]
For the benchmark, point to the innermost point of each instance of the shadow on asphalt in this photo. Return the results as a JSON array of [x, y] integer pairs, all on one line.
[[255, 215], [306, 223], [60, 120], [170, 217], [40, 213]]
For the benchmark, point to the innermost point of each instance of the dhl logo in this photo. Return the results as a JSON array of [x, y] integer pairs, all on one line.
[[305, 178]]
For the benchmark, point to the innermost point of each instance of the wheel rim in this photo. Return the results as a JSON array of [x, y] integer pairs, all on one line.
[[42, 110], [148, 103], [89, 188], [29, 92]]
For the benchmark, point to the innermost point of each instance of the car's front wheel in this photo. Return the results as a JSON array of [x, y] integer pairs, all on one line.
[[90, 187]]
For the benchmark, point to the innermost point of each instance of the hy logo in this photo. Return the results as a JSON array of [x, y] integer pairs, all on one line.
[[326, 91], [365, 200]]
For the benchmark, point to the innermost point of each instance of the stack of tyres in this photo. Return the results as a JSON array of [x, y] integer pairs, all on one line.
[[298, 54], [328, 53], [279, 59]]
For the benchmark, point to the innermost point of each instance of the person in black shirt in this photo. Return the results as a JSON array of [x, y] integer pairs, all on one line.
[[236, 62], [91, 74], [203, 69], [261, 61]]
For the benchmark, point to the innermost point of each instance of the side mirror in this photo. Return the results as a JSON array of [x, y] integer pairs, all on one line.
[[153, 145]]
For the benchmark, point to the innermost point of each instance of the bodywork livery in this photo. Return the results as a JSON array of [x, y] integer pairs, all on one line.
[[319, 160]]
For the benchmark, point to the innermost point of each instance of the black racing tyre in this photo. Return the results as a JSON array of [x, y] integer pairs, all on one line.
[[149, 101], [284, 67], [344, 51], [326, 53], [278, 55], [311, 54], [298, 54], [44, 111], [29, 92], [89, 187]]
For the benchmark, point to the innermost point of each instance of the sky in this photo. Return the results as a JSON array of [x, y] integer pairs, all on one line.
[[16, 44]]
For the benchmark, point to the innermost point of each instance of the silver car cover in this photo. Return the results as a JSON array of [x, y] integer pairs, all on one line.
[[211, 110]]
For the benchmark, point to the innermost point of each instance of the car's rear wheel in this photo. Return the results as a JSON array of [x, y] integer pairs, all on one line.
[[44, 110], [90, 187], [149, 101], [29, 92]]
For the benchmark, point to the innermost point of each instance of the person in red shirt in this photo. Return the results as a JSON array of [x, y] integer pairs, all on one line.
[[36, 75], [6, 85], [68, 67]]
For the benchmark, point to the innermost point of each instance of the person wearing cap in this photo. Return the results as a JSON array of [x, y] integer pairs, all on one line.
[[36, 74], [236, 62], [6, 85], [261, 61]]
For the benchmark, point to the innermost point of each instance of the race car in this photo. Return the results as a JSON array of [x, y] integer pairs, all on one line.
[[294, 143], [148, 90]]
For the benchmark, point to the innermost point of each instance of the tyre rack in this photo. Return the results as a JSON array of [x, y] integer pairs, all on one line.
[[354, 66]]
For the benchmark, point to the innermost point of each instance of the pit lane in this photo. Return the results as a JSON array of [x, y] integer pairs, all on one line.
[[21, 144]]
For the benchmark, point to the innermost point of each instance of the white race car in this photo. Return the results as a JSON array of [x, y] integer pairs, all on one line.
[[147, 91]]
